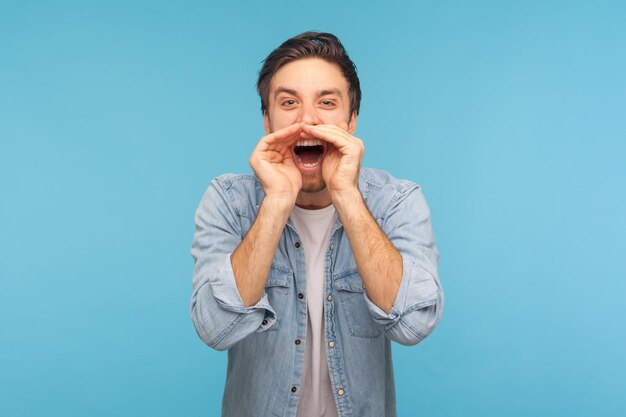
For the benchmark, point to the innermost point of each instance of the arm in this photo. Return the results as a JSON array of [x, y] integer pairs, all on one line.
[[217, 310], [252, 259], [418, 306], [398, 266]]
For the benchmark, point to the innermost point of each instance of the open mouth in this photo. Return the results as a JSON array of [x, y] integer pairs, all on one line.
[[309, 153]]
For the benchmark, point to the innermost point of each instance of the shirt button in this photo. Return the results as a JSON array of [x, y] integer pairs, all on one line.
[[332, 246], [300, 296], [297, 342], [340, 392], [329, 298], [297, 245], [264, 322], [294, 389], [331, 343]]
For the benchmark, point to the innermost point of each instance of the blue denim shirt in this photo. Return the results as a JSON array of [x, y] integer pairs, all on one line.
[[264, 360]]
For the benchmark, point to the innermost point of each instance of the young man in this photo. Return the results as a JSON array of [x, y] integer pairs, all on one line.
[[308, 269]]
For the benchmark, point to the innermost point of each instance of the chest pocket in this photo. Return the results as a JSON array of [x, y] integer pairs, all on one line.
[[277, 289], [350, 292]]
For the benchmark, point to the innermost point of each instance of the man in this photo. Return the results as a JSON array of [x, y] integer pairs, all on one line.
[[308, 269]]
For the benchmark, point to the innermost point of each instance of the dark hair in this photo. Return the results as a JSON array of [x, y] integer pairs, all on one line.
[[321, 45]]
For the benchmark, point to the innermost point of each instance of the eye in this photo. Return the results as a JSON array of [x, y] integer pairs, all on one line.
[[328, 103], [289, 102]]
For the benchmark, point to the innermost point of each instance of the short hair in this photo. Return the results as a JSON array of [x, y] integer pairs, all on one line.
[[321, 45]]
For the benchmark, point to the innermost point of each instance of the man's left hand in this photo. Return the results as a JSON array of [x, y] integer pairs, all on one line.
[[342, 162]]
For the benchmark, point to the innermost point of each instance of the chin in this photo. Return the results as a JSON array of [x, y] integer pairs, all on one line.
[[312, 183], [313, 188]]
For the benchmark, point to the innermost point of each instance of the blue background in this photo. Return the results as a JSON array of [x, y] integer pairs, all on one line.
[[115, 116]]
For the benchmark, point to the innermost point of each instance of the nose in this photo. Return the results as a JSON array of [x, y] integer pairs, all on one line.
[[308, 114]]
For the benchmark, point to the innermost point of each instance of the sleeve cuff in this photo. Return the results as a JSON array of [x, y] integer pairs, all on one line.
[[399, 304], [227, 295]]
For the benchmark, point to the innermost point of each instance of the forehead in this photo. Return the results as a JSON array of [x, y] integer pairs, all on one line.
[[309, 75]]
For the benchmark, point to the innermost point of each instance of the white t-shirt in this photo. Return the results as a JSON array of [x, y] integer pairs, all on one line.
[[314, 228]]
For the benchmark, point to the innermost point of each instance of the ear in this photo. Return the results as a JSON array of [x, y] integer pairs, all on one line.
[[266, 122], [352, 123]]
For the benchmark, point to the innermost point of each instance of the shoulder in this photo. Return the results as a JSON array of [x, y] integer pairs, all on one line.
[[381, 190], [243, 191], [377, 179], [237, 181]]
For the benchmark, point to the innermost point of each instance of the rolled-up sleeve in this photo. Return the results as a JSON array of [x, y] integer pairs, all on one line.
[[419, 303], [217, 310]]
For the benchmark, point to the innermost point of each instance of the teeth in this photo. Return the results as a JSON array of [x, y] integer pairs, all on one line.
[[309, 142], [310, 165]]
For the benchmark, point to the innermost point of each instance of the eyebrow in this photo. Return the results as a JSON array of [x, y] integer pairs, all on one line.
[[285, 90], [320, 93], [329, 92]]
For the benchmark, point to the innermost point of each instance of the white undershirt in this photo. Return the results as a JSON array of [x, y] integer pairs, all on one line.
[[314, 228]]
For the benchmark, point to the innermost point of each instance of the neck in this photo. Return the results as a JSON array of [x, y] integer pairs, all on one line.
[[314, 201]]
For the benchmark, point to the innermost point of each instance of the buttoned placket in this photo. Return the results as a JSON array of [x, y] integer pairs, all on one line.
[[299, 340], [335, 363]]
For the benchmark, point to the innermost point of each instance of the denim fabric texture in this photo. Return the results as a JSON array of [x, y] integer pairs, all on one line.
[[264, 360]]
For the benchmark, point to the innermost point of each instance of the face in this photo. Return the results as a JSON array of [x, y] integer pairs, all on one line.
[[312, 91]]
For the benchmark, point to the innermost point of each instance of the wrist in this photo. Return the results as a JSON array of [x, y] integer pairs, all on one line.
[[346, 200], [278, 206]]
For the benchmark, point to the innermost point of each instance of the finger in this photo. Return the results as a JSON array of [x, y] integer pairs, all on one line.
[[280, 139], [332, 134], [284, 133], [341, 129]]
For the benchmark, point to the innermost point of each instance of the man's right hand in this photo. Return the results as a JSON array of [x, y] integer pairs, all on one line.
[[273, 164]]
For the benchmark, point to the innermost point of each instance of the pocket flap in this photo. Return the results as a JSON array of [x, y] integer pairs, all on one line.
[[279, 276], [349, 280]]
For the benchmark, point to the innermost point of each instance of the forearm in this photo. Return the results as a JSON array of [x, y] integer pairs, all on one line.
[[252, 259], [378, 261]]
